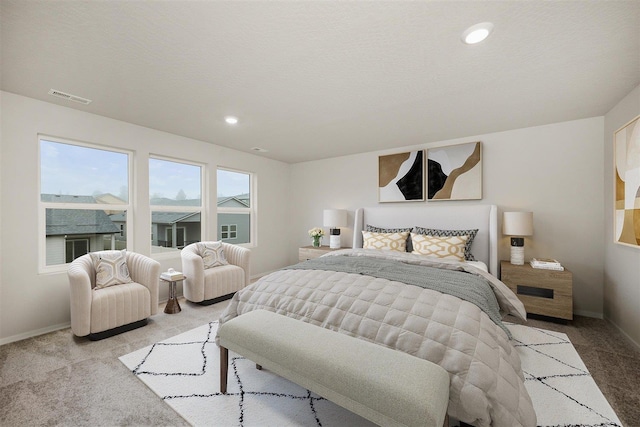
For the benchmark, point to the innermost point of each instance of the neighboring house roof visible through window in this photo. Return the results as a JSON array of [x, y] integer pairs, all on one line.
[[61, 222], [163, 201], [240, 201], [174, 217]]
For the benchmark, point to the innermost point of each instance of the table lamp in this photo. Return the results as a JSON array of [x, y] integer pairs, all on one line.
[[334, 219], [517, 225]]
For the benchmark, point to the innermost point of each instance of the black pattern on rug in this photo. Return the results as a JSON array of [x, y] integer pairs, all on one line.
[[559, 341], [184, 372], [139, 371]]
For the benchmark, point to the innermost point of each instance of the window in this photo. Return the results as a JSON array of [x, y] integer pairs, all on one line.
[[228, 232], [236, 211], [84, 200], [175, 196]]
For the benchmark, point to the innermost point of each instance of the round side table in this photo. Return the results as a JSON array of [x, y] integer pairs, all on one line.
[[172, 306]]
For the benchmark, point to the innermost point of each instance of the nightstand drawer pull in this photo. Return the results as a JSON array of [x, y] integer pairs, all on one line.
[[535, 292]]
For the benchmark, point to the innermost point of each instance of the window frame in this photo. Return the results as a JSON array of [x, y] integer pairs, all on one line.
[[127, 207], [172, 208], [252, 210]]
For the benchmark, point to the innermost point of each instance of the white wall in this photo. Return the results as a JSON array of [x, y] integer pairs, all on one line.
[[622, 263], [554, 171], [34, 303]]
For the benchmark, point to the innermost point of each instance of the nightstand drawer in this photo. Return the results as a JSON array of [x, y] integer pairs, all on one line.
[[543, 292]]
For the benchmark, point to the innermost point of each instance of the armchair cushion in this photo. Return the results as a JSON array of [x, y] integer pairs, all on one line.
[[111, 268], [212, 254]]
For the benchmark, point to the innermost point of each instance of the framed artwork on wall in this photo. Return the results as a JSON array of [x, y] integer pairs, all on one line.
[[626, 192], [401, 177], [454, 172]]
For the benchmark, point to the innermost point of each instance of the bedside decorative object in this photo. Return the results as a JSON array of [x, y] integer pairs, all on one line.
[[316, 234], [542, 291], [626, 141], [546, 264], [517, 225], [334, 219]]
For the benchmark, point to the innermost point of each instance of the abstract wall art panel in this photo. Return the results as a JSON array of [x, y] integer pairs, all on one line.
[[401, 177], [626, 168], [454, 172]]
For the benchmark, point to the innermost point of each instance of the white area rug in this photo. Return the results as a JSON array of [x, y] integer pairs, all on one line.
[[184, 372]]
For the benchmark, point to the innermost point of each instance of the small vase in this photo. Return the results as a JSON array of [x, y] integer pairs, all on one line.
[[317, 241]]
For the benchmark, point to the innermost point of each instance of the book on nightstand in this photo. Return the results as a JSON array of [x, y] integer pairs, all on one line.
[[546, 264]]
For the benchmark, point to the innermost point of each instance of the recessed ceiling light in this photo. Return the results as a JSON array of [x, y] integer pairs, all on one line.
[[231, 120], [476, 33]]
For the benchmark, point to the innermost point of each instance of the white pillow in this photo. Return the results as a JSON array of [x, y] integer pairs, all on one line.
[[111, 268], [212, 254], [385, 241], [451, 247]]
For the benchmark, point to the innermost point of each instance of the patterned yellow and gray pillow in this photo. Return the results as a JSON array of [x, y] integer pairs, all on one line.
[[439, 247], [375, 229], [212, 254], [471, 234], [385, 241], [111, 268]]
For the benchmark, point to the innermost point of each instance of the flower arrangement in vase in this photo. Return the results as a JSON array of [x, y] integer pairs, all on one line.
[[316, 234]]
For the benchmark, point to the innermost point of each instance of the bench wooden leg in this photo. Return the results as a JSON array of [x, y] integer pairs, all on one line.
[[224, 368]]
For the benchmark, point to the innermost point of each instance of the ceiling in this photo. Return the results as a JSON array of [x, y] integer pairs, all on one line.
[[319, 79]]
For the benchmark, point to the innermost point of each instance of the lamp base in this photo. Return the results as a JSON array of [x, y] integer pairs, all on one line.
[[334, 238], [517, 255]]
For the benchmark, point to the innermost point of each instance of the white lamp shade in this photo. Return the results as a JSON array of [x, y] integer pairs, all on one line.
[[335, 218], [517, 223]]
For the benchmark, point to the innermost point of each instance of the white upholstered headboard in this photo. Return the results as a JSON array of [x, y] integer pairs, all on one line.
[[483, 217]]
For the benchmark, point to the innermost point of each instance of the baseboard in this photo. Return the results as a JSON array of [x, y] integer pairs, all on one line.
[[631, 340], [591, 314], [35, 333]]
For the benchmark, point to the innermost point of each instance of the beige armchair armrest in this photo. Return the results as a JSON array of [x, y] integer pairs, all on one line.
[[80, 282], [240, 256], [145, 271], [193, 270]]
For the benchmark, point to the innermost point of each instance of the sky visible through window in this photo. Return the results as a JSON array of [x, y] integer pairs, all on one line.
[[232, 183], [67, 169], [174, 180]]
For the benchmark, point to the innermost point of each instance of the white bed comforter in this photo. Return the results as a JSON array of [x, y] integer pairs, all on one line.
[[487, 387]]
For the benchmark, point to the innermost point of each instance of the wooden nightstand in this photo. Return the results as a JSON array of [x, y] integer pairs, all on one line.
[[310, 252], [543, 292]]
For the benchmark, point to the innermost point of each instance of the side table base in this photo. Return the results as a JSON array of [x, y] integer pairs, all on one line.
[[172, 307]]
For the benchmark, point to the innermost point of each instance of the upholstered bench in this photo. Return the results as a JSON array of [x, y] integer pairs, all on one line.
[[385, 386]]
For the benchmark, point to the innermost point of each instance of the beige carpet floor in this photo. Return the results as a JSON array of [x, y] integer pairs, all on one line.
[[59, 379]]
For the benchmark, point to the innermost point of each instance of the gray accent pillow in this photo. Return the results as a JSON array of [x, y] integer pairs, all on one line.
[[374, 229], [449, 233]]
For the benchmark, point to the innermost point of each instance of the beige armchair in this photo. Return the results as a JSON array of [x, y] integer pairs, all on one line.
[[210, 285], [117, 308]]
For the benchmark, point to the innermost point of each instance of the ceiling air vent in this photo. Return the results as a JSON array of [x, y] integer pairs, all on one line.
[[69, 97]]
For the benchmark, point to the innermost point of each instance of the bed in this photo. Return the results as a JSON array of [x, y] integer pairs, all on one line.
[[445, 310]]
